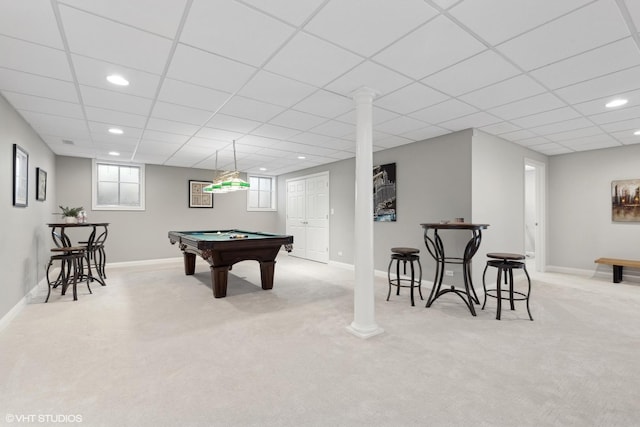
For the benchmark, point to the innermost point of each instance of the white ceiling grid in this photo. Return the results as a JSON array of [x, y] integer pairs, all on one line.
[[277, 76]]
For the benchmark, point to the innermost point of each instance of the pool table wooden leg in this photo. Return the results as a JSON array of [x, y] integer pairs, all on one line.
[[189, 263], [219, 275], [266, 273]]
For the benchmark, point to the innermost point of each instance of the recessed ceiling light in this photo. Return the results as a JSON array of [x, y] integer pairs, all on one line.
[[637, 132], [116, 131], [616, 103], [263, 169], [114, 153], [301, 157], [118, 80]]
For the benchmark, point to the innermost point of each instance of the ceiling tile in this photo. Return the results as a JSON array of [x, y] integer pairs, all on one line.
[[633, 124], [475, 120], [607, 59], [115, 118], [474, 73], [296, 120], [171, 138], [149, 15], [219, 134], [205, 69], [115, 100], [275, 89], [552, 149], [487, 17], [380, 115], [594, 25], [325, 104], [54, 124], [234, 30], [250, 109], [552, 116], [598, 105], [562, 126], [500, 128], [533, 105], [92, 72], [272, 131], [233, 124], [504, 92], [293, 12], [189, 95], [430, 48], [518, 135], [170, 126], [379, 22], [100, 132], [447, 110], [410, 98], [334, 128], [419, 134], [308, 59], [179, 113], [36, 85], [604, 141], [633, 6], [32, 21], [113, 42], [573, 134], [609, 85], [34, 59], [617, 115], [370, 75], [400, 126], [446, 4], [44, 105]]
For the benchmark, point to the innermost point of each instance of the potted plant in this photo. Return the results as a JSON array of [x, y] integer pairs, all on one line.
[[70, 214]]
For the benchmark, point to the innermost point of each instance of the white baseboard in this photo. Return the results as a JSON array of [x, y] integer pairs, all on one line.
[[16, 309]]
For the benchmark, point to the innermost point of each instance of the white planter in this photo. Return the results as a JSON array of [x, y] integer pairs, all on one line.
[[70, 220]]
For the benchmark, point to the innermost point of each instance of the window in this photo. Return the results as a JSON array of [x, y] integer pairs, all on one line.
[[262, 193], [117, 186]]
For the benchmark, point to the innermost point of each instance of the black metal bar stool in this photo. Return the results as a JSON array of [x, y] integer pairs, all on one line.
[[71, 267], [405, 255], [506, 263]]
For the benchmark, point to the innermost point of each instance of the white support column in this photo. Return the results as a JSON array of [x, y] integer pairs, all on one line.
[[364, 323]]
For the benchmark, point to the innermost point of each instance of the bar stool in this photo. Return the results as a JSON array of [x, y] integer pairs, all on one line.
[[405, 255], [71, 267], [506, 263]]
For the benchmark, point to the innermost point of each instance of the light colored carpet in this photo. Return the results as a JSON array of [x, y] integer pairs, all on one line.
[[154, 348]]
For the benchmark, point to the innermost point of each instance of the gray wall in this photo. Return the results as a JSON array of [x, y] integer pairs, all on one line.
[[581, 229], [142, 235], [25, 243], [433, 183]]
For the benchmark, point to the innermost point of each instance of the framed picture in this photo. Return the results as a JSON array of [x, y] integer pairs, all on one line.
[[625, 200], [384, 193], [20, 176], [41, 184], [197, 197]]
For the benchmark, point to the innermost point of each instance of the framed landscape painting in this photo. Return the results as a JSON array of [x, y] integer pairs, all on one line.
[[625, 200]]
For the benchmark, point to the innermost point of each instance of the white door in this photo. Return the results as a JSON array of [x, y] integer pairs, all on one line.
[[296, 216], [308, 216], [535, 213]]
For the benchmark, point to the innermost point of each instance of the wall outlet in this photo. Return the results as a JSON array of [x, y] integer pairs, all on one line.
[[448, 273]]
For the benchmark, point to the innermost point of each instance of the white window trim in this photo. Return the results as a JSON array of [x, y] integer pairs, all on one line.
[[274, 183], [94, 187]]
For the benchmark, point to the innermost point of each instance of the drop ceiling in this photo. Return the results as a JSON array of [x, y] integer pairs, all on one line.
[[277, 76]]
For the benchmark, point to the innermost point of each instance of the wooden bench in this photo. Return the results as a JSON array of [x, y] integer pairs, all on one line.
[[617, 266]]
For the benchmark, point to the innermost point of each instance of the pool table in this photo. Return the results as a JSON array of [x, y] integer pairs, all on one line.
[[223, 248]]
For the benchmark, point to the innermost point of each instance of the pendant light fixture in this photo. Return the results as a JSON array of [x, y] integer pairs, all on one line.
[[227, 181]]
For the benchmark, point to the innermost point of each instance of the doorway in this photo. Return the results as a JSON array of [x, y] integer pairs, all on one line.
[[534, 214], [308, 216]]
